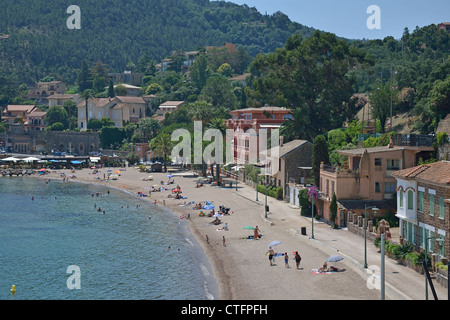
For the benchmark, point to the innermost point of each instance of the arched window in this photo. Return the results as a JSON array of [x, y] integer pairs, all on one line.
[[410, 200]]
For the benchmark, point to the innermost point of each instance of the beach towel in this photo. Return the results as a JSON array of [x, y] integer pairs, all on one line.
[[316, 271]]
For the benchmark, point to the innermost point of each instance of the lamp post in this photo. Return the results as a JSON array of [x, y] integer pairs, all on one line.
[[265, 198], [365, 231], [426, 263]]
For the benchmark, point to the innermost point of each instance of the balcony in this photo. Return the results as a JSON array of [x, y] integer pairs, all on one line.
[[413, 140]]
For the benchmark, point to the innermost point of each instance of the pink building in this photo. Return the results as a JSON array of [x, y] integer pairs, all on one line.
[[254, 118], [367, 179]]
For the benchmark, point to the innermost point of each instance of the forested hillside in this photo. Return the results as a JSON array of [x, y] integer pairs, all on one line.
[[118, 32]]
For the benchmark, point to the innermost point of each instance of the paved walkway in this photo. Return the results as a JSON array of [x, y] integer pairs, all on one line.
[[401, 282]]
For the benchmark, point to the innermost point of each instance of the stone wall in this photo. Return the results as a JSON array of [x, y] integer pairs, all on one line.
[[355, 224]]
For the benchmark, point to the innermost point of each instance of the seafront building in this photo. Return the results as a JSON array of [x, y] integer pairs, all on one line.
[[243, 120], [423, 207], [366, 178]]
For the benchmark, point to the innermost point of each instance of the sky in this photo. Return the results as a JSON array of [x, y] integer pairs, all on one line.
[[349, 18]]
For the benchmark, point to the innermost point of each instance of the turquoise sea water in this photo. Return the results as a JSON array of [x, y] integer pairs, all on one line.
[[121, 254]]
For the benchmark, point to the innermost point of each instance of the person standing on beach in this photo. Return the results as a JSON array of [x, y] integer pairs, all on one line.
[[223, 240], [286, 260], [256, 233], [207, 239], [271, 254], [297, 259]]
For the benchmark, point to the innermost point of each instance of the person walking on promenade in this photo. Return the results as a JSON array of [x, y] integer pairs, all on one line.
[[297, 259]]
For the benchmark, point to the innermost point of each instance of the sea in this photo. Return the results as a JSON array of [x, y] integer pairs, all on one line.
[[55, 244]]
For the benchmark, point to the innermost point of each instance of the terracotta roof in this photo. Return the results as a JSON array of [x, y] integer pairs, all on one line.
[[128, 99], [261, 109], [360, 151], [438, 172], [171, 103], [19, 108]]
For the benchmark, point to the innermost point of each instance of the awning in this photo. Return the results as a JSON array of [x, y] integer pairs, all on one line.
[[76, 162], [94, 159]]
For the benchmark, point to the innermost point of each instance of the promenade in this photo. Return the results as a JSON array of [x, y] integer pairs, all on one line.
[[401, 282]]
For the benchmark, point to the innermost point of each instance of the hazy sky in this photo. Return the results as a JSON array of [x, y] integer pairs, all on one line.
[[348, 18]]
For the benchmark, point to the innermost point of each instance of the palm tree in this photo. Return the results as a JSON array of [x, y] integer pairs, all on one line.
[[202, 111], [147, 129], [86, 95], [220, 124], [298, 127], [162, 146]]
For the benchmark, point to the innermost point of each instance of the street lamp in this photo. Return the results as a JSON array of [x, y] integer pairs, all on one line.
[[365, 231]]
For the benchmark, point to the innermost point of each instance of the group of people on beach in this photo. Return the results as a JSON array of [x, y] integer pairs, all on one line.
[[272, 254]]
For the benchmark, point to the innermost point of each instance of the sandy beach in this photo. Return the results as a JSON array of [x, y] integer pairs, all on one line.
[[241, 265]]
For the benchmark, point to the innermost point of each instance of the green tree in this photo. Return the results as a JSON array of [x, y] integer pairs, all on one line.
[[311, 74], [84, 80], [440, 100], [319, 154], [199, 72], [219, 92], [57, 114], [147, 129], [111, 92], [57, 126], [162, 146], [380, 101], [333, 210], [94, 124], [86, 95], [225, 70]]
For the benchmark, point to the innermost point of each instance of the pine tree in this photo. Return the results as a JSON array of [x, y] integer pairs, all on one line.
[[84, 77], [111, 92]]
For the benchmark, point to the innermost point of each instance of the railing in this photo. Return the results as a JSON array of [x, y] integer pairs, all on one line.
[[413, 140]]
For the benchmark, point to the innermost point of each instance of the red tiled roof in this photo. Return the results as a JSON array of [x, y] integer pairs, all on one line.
[[436, 172]]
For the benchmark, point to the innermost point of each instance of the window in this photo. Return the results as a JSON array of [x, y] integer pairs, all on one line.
[[389, 187], [431, 197], [401, 198], [421, 201], [377, 187], [410, 200], [377, 161], [441, 207], [441, 247], [392, 164]]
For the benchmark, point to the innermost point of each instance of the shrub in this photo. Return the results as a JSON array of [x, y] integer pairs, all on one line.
[[413, 257], [402, 251]]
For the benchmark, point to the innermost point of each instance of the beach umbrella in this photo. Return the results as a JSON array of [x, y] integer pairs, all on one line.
[[10, 159], [274, 243], [335, 258], [215, 215], [176, 190], [249, 228], [170, 175]]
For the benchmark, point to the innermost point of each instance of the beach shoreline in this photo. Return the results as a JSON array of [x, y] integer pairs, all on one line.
[[241, 267]]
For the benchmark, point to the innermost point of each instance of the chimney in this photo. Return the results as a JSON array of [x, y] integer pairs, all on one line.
[[281, 141], [391, 142]]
